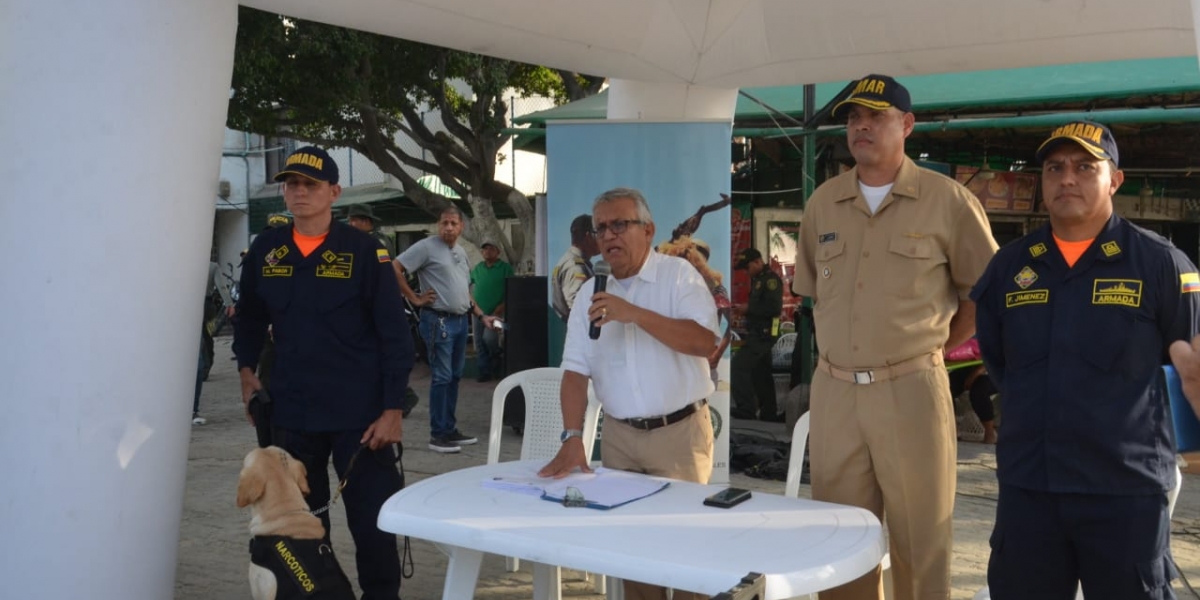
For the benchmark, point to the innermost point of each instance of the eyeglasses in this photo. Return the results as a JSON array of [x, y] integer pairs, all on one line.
[[618, 227]]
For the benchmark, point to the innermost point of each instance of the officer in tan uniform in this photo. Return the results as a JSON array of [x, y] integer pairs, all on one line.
[[888, 252]]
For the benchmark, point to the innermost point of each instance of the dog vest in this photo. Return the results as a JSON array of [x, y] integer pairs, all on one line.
[[302, 568]]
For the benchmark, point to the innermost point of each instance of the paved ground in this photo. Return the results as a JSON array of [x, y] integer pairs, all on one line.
[[213, 537]]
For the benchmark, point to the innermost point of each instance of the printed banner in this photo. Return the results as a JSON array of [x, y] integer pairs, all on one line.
[[683, 171]]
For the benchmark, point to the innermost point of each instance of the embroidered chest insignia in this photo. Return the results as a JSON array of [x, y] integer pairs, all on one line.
[[1026, 277], [1110, 249], [1037, 249], [275, 254]]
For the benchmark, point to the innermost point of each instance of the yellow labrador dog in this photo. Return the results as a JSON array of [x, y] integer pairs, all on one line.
[[289, 557]]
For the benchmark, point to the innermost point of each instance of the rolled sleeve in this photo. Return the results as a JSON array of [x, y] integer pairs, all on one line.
[[575, 350]]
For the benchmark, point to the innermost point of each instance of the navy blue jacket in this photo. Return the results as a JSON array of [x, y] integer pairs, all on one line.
[[1077, 355], [343, 350]]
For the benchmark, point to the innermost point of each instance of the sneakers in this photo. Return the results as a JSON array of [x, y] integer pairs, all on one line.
[[198, 420], [443, 446], [450, 444], [457, 437]]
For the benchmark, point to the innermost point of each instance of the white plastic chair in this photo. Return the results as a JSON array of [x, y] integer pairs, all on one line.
[[791, 489], [781, 352], [543, 426]]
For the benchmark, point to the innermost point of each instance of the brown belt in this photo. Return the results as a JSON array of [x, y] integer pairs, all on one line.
[[649, 423], [877, 374]]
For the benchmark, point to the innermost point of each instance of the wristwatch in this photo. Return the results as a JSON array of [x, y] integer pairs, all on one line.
[[570, 433]]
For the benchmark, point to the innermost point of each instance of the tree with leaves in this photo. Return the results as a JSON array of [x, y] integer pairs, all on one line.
[[337, 87]]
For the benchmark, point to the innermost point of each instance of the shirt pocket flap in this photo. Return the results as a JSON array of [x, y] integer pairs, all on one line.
[[830, 250], [911, 247]]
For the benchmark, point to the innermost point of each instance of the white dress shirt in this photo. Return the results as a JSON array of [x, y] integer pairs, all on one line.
[[634, 374]]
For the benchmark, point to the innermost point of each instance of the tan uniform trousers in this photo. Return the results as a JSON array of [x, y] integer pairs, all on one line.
[[682, 450], [890, 447]]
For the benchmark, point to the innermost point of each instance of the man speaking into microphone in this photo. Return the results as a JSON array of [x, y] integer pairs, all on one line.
[[642, 335]]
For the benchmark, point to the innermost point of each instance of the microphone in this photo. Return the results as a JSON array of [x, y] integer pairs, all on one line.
[[601, 273]]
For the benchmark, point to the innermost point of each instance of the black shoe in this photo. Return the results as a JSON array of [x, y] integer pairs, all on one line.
[[772, 417], [457, 437], [738, 413], [443, 446]]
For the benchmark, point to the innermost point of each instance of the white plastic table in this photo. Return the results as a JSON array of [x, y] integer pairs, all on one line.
[[669, 538]]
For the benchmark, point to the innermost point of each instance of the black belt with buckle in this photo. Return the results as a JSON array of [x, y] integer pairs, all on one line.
[[651, 423], [447, 315]]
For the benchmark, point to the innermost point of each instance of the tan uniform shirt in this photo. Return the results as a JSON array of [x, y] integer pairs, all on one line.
[[885, 286]]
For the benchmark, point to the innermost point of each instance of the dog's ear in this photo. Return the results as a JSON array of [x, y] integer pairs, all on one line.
[[300, 474], [251, 485]]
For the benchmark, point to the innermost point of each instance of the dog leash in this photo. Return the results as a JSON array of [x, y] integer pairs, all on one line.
[[341, 484]]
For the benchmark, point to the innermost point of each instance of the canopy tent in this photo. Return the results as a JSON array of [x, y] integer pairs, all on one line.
[[998, 116], [1093, 86], [742, 43]]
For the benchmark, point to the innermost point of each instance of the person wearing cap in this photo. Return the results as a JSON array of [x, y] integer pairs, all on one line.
[[343, 356], [440, 264], [277, 220], [487, 289], [888, 252], [574, 267], [1074, 323], [362, 218], [657, 324], [753, 385]]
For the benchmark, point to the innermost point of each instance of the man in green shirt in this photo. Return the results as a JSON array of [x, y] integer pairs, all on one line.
[[487, 290]]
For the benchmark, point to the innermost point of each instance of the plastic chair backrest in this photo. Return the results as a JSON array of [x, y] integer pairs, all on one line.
[[543, 414], [791, 489], [781, 352]]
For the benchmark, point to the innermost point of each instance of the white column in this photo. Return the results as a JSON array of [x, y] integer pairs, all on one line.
[[1196, 23], [111, 130]]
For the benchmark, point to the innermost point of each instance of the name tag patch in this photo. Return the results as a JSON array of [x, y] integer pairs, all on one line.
[[336, 265], [284, 271], [1122, 292], [1014, 299]]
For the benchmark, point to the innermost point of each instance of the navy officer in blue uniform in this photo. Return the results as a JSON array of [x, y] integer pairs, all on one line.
[[343, 356], [1074, 322]]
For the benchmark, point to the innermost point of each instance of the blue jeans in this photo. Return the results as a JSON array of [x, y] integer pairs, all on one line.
[[487, 349], [446, 342]]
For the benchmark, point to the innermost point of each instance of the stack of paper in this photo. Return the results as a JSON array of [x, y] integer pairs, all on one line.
[[603, 489], [606, 488]]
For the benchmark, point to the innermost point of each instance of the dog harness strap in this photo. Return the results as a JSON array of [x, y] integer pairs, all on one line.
[[302, 568]]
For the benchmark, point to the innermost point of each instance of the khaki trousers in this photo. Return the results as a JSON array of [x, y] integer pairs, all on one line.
[[890, 447], [682, 450]]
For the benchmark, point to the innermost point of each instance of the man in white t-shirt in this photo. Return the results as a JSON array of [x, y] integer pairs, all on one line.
[[657, 325]]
